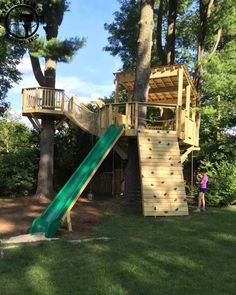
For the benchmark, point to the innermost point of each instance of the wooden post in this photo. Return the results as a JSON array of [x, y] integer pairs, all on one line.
[[127, 115], [24, 99], [179, 101], [136, 116], [188, 94], [63, 101], [117, 89], [110, 119], [36, 100], [68, 219], [73, 104]]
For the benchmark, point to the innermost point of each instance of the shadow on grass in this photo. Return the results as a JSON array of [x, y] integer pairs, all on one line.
[[189, 255]]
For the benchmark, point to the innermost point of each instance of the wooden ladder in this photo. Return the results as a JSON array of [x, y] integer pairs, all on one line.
[[162, 182]]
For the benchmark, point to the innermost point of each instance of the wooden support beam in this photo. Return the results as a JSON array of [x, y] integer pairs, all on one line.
[[179, 101], [68, 220], [184, 156], [34, 123], [188, 94], [59, 123]]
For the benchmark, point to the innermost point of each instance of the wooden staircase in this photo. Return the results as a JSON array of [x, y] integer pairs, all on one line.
[[82, 116], [163, 191]]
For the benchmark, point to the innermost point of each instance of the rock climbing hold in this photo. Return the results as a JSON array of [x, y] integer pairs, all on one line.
[[168, 143], [177, 209], [149, 157], [167, 131], [171, 164], [152, 172], [172, 173], [170, 158], [150, 149], [154, 196], [175, 188], [149, 139], [165, 212], [152, 184], [165, 194], [175, 199], [159, 141], [163, 182]]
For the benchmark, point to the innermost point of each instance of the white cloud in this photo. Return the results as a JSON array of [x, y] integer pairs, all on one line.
[[25, 65], [75, 86]]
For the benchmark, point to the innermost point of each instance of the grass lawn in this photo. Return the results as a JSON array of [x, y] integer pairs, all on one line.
[[184, 255]]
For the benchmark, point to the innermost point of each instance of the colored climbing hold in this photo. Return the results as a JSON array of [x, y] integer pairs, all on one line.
[[167, 131], [170, 158], [171, 164], [149, 139], [175, 188], [152, 184], [166, 212], [163, 182], [165, 194], [168, 143], [149, 157], [152, 172], [172, 173], [150, 149], [159, 141], [154, 196], [177, 209], [175, 199]]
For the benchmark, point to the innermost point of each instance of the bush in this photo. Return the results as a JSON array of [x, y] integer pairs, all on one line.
[[18, 156], [221, 189]]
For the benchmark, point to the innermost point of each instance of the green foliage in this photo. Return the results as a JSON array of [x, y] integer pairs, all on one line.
[[61, 51], [71, 146], [222, 182], [124, 32], [18, 156]]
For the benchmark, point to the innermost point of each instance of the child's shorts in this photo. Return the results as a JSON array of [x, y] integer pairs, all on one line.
[[202, 190]]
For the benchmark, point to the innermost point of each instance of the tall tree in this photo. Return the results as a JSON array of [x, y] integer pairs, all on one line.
[[53, 51], [10, 56], [142, 73]]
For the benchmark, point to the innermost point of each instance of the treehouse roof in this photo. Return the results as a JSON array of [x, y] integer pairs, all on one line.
[[163, 82]]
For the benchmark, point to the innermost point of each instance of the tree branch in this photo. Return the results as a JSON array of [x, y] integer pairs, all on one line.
[[39, 76], [209, 8], [218, 38]]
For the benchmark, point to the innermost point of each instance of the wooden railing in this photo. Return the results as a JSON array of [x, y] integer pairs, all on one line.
[[132, 113], [39, 99]]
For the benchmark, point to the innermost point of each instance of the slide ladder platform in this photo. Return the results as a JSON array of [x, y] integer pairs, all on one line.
[[162, 181], [49, 222]]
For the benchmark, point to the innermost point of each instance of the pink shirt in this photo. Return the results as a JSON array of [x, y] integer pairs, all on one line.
[[203, 183]]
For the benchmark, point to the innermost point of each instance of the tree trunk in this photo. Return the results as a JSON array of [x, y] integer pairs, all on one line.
[[46, 163], [159, 48], [142, 73], [204, 13], [170, 42], [45, 174]]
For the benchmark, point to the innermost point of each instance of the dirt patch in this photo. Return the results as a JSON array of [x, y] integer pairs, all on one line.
[[16, 216]]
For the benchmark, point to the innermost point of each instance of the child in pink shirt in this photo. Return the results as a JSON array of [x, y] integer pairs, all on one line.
[[202, 190]]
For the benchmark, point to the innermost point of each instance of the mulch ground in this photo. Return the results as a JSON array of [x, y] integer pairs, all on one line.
[[16, 216]]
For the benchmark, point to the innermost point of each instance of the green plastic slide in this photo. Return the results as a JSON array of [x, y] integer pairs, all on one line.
[[49, 222]]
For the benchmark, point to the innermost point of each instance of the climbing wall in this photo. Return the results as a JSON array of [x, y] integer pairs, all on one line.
[[163, 191]]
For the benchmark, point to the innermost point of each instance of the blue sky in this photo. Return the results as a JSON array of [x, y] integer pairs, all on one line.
[[90, 74]]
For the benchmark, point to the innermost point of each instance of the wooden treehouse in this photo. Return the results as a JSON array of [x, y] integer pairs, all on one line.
[[169, 134]]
